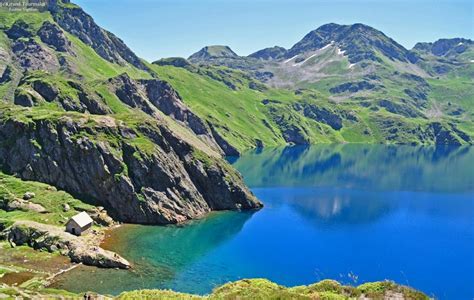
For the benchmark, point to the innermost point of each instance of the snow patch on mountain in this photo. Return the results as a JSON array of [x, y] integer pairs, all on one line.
[[290, 59], [328, 45], [300, 63]]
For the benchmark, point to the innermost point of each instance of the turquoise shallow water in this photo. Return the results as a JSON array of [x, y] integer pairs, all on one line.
[[353, 213]]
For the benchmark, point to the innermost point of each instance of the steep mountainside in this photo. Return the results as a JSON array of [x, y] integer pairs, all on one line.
[[80, 111]]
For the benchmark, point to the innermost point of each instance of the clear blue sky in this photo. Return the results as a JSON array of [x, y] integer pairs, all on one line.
[[164, 28]]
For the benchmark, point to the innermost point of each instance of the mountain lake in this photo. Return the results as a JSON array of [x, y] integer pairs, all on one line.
[[353, 213]]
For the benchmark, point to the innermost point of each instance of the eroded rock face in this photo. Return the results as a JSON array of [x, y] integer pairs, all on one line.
[[46, 90], [294, 135], [167, 100], [227, 148], [168, 183], [131, 93], [32, 56], [444, 135], [52, 35], [19, 29], [24, 99], [89, 101]]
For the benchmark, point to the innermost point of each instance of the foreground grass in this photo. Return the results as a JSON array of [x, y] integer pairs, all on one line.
[[249, 289], [265, 289]]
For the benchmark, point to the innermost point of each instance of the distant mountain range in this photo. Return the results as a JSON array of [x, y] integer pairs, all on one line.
[[352, 76], [361, 46]]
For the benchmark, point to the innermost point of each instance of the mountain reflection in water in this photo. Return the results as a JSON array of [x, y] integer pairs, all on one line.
[[363, 167], [378, 212]]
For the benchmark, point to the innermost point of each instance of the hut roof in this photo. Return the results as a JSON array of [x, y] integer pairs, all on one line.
[[82, 219]]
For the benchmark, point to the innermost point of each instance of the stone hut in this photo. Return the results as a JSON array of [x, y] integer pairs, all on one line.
[[79, 223]]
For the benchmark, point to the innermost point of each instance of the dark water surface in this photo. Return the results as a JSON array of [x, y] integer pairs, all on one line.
[[353, 213]]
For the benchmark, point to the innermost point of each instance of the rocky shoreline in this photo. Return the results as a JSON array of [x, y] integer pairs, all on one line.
[[84, 249]]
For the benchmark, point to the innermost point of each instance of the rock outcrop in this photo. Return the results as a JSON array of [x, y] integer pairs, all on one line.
[[96, 256], [448, 134], [352, 87], [19, 29], [52, 239], [294, 135], [399, 108], [52, 35], [320, 114], [33, 90], [20, 204], [32, 56], [145, 175]]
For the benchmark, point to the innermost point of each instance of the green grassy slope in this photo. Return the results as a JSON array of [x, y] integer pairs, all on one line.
[[242, 118], [237, 114], [248, 114]]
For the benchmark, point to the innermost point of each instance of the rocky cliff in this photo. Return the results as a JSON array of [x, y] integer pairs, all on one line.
[[142, 174]]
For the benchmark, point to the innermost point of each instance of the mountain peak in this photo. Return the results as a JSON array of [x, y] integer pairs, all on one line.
[[359, 41], [330, 27], [211, 52]]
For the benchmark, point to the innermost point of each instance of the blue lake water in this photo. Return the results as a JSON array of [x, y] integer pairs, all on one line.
[[353, 213]]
